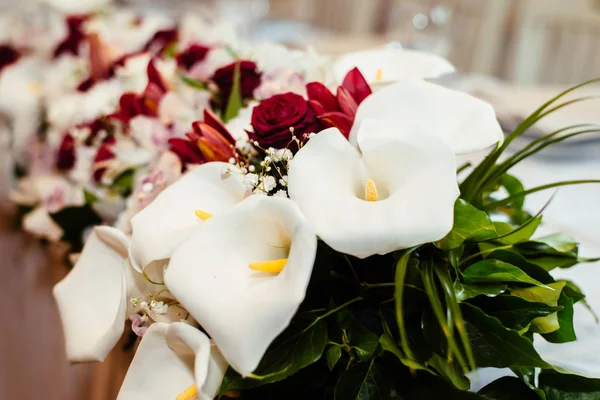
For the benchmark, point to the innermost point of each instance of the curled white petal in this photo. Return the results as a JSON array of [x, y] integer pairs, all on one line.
[[92, 298], [415, 176], [467, 124], [170, 359], [387, 65], [169, 220], [241, 309]]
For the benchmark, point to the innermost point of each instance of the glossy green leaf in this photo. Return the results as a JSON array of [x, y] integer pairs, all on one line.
[[568, 387], [497, 346], [284, 359], [470, 224], [450, 371], [514, 312], [516, 259], [235, 101], [513, 186], [521, 235], [566, 331], [388, 344], [491, 271], [363, 382], [362, 340], [548, 296], [549, 252], [508, 388], [333, 356], [466, 291]]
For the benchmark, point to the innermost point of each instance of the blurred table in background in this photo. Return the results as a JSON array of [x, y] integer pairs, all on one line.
[[32, 354]]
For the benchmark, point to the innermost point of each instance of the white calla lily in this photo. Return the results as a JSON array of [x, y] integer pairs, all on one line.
[[466, 123], [92, 298], [174, 361], [78, 6], [216, 275], [398, 191], [383, 66], [170, 219]]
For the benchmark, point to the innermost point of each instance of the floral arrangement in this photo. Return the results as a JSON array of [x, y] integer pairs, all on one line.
[[271, 224]]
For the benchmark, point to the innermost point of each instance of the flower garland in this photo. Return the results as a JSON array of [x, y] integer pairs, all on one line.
[[285, 226]]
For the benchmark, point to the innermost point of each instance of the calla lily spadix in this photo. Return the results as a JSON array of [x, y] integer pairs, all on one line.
[[170, 219], [394, 192], [466, 123], [243, 275], [94, 299], [176, 362], [387, 65]]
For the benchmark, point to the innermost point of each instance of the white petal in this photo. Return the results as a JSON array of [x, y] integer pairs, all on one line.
[[39, 223], [77, 6], [170, 359], [467, 124], [170, 219], [243, 310], [415, 178], [383, 65], [92, 298]]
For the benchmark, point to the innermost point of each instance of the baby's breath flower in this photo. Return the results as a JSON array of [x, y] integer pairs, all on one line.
[[269, 183]]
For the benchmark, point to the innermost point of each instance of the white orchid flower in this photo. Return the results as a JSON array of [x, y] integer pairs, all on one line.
[[466, 123], [45, 194], [383, 66], [94, 299], [169, 220], [393, 192], [176, 362], [243, 275]]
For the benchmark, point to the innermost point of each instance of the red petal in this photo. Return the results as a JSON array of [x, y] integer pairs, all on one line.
[[355, 83], [319, 93], [346, 102], [316, 107], [186, 150], [338, 120], [154, 77], [214, 122]]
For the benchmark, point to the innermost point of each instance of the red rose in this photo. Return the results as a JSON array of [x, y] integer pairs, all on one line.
[[8, 56], [191, 56], [249, 79], [273, 118], [75, 36]]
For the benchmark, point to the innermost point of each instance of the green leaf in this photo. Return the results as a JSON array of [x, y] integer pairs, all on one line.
[[520, 235], [362, 340], [123, 184], [74, 221], [450, 371], [549, 252], [490, 271], [516, 259], [196, 84], [89, 197], [388, 344], [549, 297], [497, 346], [513, 186], [566, 331], [333, 356], [235, 101], [466, 291], [514, 312], [284, 359], [363, 382], [509, 388], [470, 224], [568, 387]]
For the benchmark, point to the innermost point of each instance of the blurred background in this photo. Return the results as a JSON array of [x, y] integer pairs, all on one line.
[[514, 53]]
